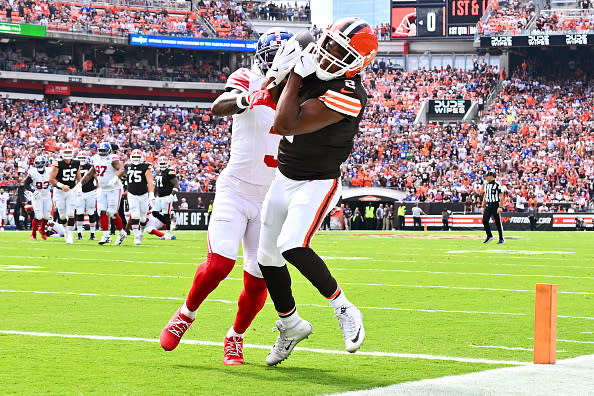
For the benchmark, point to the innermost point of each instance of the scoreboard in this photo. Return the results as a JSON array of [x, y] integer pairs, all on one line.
[[430, 19]]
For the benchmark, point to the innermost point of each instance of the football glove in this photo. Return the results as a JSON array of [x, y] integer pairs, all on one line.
[[77, 189], [305, 64], [29, 195], [284, 61], [113, 182], [36, 194], [260, 97]]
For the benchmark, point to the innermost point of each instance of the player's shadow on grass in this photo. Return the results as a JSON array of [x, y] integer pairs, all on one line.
[[317, 376]]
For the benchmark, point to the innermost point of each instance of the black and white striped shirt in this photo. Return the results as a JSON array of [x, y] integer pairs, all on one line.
[[492, 191]]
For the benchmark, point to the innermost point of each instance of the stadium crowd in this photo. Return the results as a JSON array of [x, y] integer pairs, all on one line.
[[225, 17], [539, 134], [506, 17]]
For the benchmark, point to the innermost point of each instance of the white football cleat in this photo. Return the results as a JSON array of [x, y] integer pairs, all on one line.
[[69, 238], [121, 236], [105, 239], [137, 240], [350, 321], [286, 341]]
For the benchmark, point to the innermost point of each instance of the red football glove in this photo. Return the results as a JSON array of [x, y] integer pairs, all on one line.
[[260, 97]]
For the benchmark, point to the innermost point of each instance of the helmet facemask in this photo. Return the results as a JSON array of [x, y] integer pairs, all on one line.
[[136, 158], [40, 164], [348, 63]]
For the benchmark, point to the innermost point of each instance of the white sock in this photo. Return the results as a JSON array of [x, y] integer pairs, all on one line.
[[340, 301], [79, 226], [233, 333], [187, 312], [292, 320], [92, 228]]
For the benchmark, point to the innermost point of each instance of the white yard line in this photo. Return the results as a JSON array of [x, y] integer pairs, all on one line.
[[307, 305], [567, 377], [464, 273], [509, 348], [16, 268], [267, 347]]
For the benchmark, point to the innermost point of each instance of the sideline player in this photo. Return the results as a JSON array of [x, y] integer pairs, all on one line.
[[63, 177], [38, 177], [86, 198], [139, 178], [108, 169], [167, 186], [4, 196], [241, 188], [492, 206], [318, 114]]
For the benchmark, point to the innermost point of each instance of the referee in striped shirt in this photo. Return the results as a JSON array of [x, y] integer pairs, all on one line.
[[492, 206]]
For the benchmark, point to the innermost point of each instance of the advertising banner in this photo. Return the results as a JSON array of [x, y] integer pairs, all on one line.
[[23, 29], [192, 43], [57, 89], [449, 107], [537, 40], [191, 219]]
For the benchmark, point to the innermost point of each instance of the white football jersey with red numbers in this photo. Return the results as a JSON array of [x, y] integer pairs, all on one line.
[[40, 180], [254, 146], [105, 171]]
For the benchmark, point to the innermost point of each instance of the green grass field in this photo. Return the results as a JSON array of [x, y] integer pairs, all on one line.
[[434, 304]]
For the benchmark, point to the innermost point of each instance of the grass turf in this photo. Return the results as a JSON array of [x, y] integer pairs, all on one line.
[[433, 294]]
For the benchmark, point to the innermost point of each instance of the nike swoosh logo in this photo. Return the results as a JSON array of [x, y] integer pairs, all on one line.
[[291, 343], [346, 91], [357, 336]]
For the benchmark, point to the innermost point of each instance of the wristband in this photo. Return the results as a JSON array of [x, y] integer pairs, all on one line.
[[60, 185], [151, 195], [239, 102]]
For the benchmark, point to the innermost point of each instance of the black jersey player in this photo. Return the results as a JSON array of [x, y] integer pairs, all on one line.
[[64, 176], [140, 186], [167, 186], [318, 114], [86, 198]]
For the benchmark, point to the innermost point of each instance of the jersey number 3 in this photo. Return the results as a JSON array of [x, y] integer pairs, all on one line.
[[270, 160]]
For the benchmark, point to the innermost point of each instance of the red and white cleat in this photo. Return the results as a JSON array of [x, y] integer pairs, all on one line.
[[33, 238], [233, 350], [174, 330]]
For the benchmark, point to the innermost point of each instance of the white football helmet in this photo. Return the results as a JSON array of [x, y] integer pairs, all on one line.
[[40, 163], [67, 152], [163, 163], [104, 149], [83, 157], [136, 157]]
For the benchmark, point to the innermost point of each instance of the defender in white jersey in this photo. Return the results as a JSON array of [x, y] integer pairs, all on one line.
[[241, 189], [108, 169], [3, 208], [37, 181]]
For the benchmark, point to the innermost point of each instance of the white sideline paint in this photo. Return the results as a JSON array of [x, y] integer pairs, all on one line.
[[568, 377], [241, 279], [267, 347], [17, 267], [528, 252], [268, 303], [465, 273]]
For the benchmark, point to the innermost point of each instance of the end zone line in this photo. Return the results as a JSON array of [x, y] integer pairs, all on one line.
[[267, 347]]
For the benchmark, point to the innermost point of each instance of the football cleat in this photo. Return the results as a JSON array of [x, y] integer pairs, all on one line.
[[174, 330], [69, 238], [168, 237], [137, 240], [43, 236], [33, 238], [233, 350], [350, 321], [105, 239], [121, 236], [488, 239], [501, 242], [286, 341], [79, 237], [92, 237]]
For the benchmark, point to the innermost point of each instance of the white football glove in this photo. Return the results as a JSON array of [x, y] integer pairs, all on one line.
[[29, 195], [77, 189], [114, 181], [284, 60], [36, 194], [305, 64]]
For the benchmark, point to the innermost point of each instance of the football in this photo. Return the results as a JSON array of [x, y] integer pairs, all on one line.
[[304, 38]]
